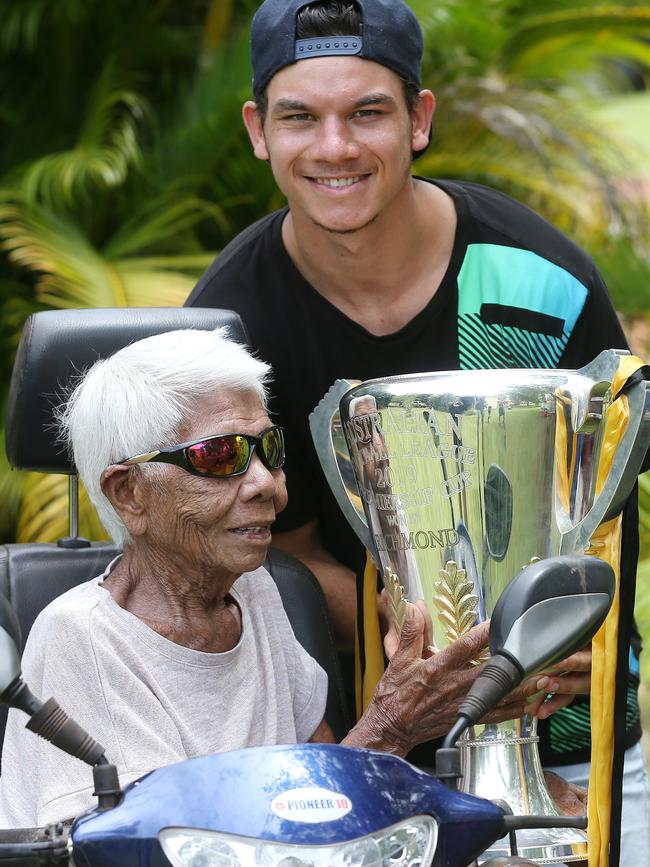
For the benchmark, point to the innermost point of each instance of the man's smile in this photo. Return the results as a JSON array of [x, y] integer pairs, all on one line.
[[338, 182]]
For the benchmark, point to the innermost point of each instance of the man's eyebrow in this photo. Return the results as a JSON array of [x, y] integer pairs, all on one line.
[[375, 99], [298, 105], [289, 105]]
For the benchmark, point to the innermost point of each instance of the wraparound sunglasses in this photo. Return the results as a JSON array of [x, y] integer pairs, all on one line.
[[221, 456]]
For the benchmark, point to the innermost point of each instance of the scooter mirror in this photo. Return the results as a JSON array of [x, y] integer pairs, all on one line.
[[9, 645], [550, 610]]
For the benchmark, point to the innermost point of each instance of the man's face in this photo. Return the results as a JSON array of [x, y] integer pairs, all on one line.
[[219, 526], [339, 138]]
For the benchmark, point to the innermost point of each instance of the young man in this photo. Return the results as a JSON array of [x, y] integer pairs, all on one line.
[[371, 272]]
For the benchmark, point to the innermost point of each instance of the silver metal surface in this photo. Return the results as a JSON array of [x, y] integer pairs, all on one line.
[[462, 478], [73, 505]]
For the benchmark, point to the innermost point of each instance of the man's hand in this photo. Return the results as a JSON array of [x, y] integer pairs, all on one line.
[[567, 679]]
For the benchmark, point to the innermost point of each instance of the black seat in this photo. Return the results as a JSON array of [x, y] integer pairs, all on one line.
[[55, 346]]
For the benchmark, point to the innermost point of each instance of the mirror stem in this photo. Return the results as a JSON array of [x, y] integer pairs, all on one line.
[[499, 676], [19, 695]]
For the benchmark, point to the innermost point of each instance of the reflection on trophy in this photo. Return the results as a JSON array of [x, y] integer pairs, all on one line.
[[462, 478]]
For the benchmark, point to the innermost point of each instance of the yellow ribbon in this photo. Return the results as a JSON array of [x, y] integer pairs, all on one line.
[[367, 680], [606, 544]]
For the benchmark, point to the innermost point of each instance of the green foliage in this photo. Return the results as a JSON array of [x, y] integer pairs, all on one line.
[[517, 91], [644, 516], [124, 165], [642, 618], [106, 148], [627, 273]]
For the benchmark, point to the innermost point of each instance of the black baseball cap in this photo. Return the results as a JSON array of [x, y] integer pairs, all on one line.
[[390, 35]]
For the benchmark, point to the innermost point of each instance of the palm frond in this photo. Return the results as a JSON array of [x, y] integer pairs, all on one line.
[[604, 68], [540, 147], [207, 128], [106, 148], [11, 491], [71, 273], [44, 514], [539, 33], [461, 38], [215, 29], [188, 263], [21, 24], [145, 286], [161, 220]]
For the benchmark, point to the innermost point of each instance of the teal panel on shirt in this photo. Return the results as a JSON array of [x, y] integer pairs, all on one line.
[[518, 279]]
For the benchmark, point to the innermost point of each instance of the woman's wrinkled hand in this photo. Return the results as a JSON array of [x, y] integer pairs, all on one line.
[[392, 639], [571, 800], [418, 696], [568, 678]]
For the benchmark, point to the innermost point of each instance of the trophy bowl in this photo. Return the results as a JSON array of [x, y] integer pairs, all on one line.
[[460, 479]]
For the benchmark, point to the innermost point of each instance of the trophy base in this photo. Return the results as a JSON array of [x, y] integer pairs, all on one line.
[[543, 846], [501, 762]]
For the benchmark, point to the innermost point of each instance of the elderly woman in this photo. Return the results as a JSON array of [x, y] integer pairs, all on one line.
[[182, 647]]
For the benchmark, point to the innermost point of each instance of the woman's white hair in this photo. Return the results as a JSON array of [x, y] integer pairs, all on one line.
[[138, 400]]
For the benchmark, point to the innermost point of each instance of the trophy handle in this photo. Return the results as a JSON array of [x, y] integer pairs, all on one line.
[[629, 456], [321, 425]]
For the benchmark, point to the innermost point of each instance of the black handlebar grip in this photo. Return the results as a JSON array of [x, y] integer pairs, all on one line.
[[53, 724]]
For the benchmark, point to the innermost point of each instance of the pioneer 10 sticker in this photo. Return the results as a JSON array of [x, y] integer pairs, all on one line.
[[311, 804]]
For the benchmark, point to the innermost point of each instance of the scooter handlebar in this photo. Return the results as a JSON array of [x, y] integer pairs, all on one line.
[[25, 847]]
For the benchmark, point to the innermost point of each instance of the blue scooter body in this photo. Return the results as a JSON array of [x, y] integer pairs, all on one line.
[[249, 792]]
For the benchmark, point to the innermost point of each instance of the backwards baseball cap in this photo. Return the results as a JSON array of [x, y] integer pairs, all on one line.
[[390, 35]]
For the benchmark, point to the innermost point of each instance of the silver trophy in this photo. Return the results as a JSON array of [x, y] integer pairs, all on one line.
[[459, 480]]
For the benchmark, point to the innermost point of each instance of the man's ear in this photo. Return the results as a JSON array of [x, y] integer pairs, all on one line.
[[255, 129], [122, 488], [422, 118]]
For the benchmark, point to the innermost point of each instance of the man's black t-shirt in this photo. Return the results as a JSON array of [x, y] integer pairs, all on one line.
[[516, 293]]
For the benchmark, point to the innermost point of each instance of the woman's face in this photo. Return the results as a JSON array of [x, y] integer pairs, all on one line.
[[220, 527]]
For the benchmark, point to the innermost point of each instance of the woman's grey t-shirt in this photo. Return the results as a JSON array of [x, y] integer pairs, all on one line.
[[151, 702]]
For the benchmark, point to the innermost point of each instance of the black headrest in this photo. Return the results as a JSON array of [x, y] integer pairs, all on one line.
[[57, 345]]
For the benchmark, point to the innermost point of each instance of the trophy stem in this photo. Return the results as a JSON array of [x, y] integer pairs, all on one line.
[[502, 762]]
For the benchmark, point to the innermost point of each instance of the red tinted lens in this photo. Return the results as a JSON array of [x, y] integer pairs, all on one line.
[[219, 456]]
